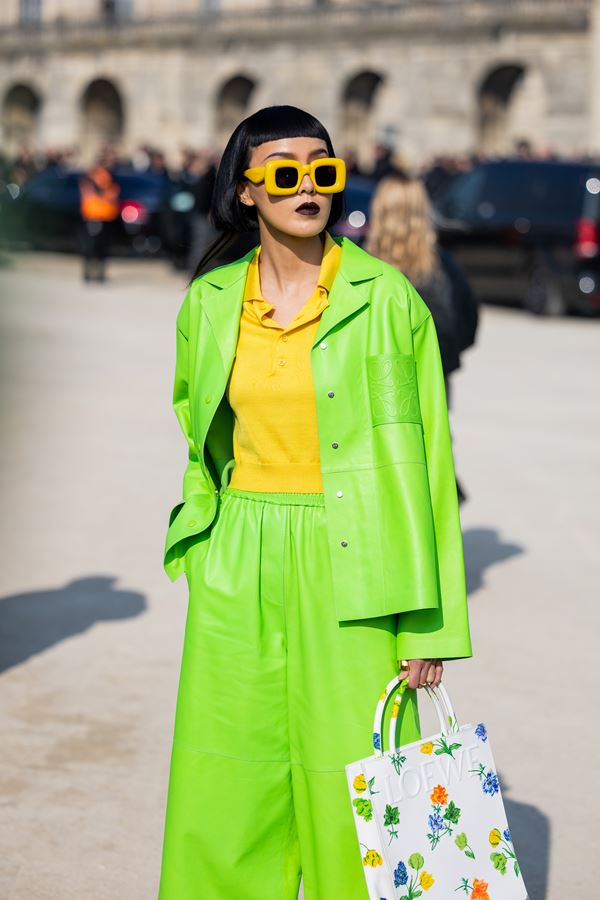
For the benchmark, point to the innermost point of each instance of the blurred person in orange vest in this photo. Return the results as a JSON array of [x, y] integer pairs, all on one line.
[[99, 205]]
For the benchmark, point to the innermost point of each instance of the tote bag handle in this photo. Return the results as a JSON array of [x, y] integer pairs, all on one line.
[[438, 696]]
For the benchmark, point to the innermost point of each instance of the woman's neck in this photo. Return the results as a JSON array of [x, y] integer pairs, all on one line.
[[287, 262]]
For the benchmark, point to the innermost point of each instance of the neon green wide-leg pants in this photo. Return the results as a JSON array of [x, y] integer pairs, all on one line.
[[275, 697]]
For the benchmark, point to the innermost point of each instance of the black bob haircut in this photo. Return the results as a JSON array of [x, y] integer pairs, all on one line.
[[227, 214]]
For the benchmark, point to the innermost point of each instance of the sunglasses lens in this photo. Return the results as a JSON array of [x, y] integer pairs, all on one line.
[[286, 177], [325, 176]]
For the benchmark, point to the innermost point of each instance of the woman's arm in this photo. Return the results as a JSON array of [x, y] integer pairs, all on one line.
[[181, 400], [442, 632], [193, 514]]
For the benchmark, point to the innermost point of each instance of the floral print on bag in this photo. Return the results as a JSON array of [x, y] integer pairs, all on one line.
[[481, 732], [462, 842], [505, 851], [397, 760], [439, 824], [391, 817], [372, 858], [489, 780], [479, 889], [361, 784], [442, 746], [363, 807], [414, 884]]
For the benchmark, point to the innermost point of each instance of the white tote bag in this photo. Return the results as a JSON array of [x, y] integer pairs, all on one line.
[[429, 815]]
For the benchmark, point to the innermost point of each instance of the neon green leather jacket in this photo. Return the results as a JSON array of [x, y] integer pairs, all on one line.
[[388, 475]]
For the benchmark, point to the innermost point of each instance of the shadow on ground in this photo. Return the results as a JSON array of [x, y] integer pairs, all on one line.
[[484, 547], [35, 621], [531, 836]]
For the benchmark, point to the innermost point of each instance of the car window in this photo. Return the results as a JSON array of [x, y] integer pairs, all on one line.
[[53, 187], [545, 194], [459, 201]]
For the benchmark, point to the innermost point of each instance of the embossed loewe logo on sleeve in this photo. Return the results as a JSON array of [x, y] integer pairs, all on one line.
[[392, 380]]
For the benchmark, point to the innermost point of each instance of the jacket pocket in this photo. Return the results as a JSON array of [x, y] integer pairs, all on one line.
[[392, 384]]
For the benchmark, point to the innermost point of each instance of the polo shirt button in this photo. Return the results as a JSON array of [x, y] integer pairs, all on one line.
[[281, 362], [191, 523], [323, 345], [339, 494], [335, 445], [344, 543], [208, 398], [330, 394], [284, 337]]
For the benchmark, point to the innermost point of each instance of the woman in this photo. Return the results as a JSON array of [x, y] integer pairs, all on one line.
[[318, 531], [402, 233]]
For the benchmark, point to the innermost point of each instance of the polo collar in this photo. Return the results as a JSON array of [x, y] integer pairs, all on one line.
[[349, 293]]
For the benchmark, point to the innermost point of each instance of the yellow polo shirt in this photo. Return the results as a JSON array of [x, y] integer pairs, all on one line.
[[271, 391]]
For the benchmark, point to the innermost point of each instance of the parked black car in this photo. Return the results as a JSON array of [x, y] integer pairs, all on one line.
[[527, 232], [44, 213]]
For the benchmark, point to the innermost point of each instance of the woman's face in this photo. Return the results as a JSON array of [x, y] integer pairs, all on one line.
[[284, 213]]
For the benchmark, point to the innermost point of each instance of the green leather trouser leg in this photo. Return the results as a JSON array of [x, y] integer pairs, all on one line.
[[275, 697]]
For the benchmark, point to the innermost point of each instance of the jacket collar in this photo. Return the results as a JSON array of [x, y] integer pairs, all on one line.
[[349, 293]]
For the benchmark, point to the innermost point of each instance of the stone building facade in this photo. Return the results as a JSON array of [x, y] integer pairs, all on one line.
[[427, 76]]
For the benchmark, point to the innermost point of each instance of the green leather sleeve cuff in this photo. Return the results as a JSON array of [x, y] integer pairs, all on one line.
[[424, 635], [186, 521]]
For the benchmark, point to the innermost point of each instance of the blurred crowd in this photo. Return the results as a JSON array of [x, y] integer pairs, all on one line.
[[199, 166]]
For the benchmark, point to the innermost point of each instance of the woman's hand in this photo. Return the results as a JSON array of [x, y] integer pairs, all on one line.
[[423, 671]]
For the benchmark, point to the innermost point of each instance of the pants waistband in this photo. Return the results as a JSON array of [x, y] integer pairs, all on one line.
[[290, 498]]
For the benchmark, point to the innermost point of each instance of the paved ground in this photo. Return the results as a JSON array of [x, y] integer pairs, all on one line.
[[91, 628]]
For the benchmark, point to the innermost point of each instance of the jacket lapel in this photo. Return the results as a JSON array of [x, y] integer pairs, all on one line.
[[350, 291], [223, 304]]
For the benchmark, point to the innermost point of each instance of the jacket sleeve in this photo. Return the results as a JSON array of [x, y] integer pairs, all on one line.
[[181, 397], [442, 632], [189, 517]]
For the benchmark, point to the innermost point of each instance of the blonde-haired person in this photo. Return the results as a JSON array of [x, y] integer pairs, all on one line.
[[402, 233]]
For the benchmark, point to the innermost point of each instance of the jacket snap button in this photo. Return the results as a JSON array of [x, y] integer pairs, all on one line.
[[335, 445], [191, 523], [323, 345], [330, 394], [344, 543], [339, 494]]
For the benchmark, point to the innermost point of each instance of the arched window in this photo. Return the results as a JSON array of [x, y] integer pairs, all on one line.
[[102, 117], [115, 11], [358, 103], [510, 106], [30, 12], [20, 113], [231, 106]]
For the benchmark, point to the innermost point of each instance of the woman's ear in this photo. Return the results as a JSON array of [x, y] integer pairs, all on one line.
[[244, 194]]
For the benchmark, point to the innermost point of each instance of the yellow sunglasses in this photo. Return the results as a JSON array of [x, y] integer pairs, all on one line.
[[284, 176]]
